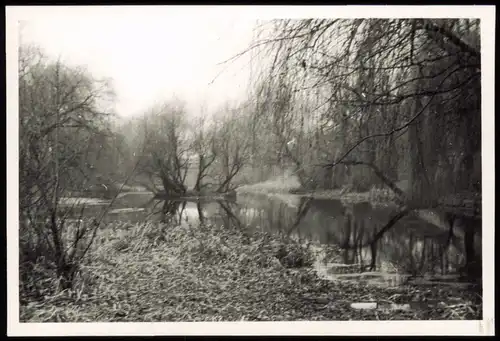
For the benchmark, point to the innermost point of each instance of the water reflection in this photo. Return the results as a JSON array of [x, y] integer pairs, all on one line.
[[412, 246], [228, 215]]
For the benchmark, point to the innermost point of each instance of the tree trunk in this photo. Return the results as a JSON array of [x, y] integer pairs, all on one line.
[[373, 263], [473, 266], [416, 171]]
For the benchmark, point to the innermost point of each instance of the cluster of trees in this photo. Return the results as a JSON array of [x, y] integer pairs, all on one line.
[[181, 154], [364, 102], [375, 101], [71, 143]]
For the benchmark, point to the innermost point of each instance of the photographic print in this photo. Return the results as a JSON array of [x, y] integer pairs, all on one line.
[[233, 164]]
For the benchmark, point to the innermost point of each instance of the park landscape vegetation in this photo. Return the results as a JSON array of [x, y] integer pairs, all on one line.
[[347, 108]]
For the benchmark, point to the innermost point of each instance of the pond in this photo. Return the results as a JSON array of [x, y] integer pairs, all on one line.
[[413, 251]]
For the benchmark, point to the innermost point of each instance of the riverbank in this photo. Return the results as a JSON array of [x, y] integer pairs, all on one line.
[[192, 195], [282, 187], [153, 272], [290, 185]]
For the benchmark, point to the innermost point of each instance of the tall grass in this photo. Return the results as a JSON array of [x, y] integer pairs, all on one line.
[[169, 272]]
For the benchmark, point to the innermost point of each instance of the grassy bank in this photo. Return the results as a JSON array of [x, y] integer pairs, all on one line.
[[281, 184], [290, 185], [156, 272]]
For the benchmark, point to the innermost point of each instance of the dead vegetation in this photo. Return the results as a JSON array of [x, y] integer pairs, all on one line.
[[154, 272]]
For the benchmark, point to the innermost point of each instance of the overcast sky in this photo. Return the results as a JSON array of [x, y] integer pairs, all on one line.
[[151, 57], [154, 52]]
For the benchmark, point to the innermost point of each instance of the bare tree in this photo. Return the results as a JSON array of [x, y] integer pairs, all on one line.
[[167, 148], [60, 113], [232, 149], [366, 75], [204, 146]]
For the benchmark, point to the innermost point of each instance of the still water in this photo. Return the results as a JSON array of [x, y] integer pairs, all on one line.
[[413, 250]]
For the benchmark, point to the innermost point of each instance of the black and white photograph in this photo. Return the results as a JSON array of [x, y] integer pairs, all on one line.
[[248, 164]]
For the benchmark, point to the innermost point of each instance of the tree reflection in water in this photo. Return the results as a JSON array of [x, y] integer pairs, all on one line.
[[412, 246]]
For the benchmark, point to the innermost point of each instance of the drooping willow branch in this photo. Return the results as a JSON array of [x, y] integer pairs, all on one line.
[[393, 131]]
